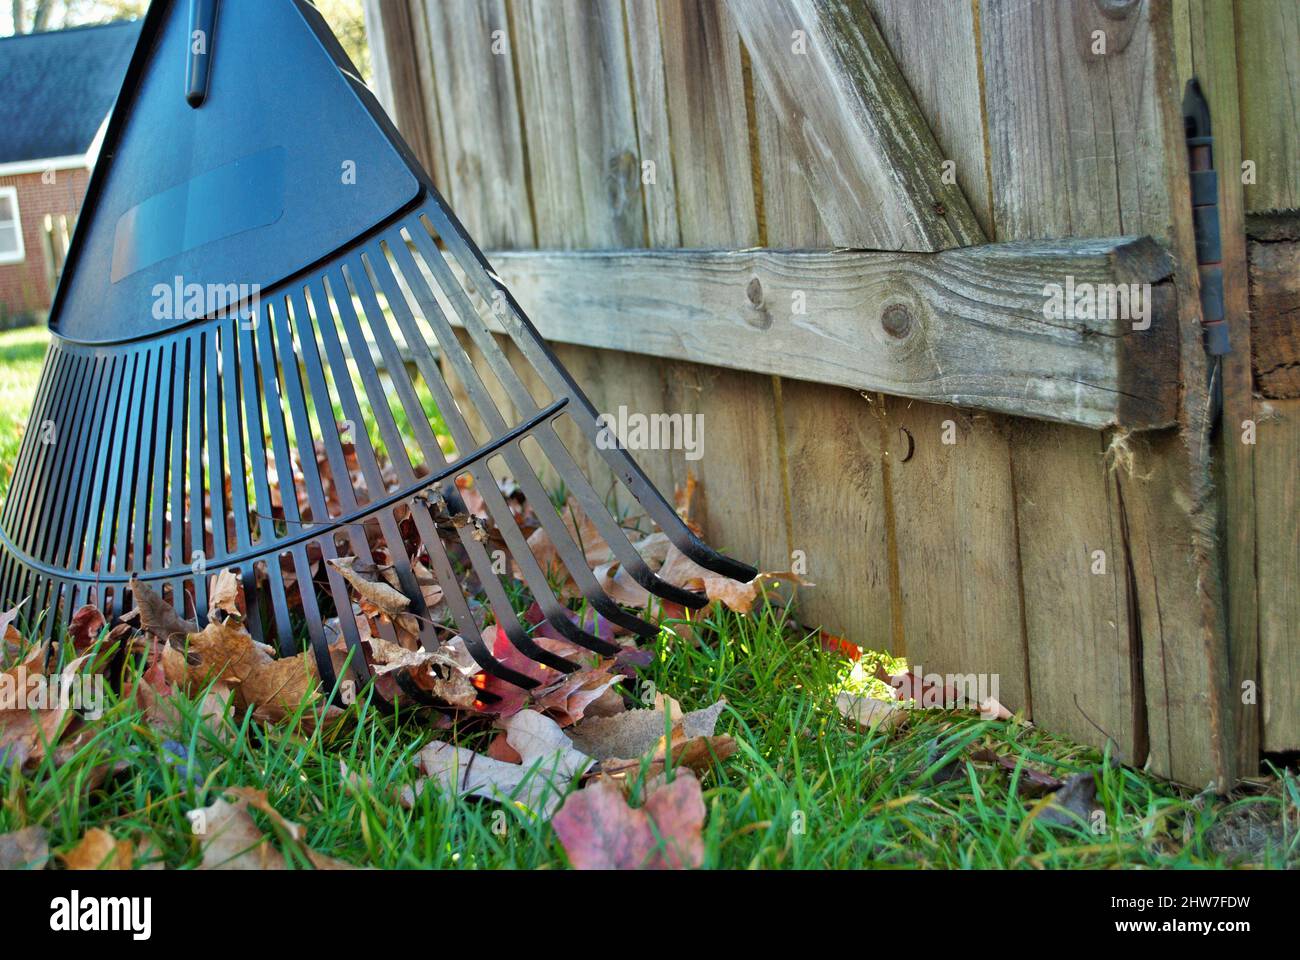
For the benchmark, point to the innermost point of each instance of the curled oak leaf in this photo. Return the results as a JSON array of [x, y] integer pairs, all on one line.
[[619, 585], [100, 850], [157, 616], [548, 764], [26, 849], [226, 597], [566, 700], [599, 831], [223, 651], [696, 753], [276, 689], [85, 626], [376, 592]]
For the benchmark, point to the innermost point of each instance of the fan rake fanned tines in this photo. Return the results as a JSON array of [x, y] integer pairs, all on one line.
[[271, 434]]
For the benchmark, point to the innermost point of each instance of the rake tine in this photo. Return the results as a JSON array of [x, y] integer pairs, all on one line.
[[27, 451], [157, 515], [176, 555], [85, 511], [234, 430], [270, 364], [536, 579], [144, 466], [198, 545], [306, 450], [366, 456], [119, 532], [530, 343], [36, 486], [248, 363], [439, 560], [555, 450], [478, 557], [64, 465]]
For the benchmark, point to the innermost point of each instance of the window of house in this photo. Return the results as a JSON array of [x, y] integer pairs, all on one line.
[[11, 229]]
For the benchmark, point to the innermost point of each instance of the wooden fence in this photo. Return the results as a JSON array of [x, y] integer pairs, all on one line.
[[869, 197]]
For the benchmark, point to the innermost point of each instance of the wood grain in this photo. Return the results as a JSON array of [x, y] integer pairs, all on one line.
[[481, 133], [1268, 35], [1210, 54], [1277, 487], [968, 325], [936, 46], [863, 146], [1274, 312], [578, 116]]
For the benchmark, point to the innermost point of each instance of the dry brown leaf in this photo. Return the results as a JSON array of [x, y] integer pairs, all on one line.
[[157, 616], [636, 733], [226, 596], [25, 849], [24, 733], [548, 764], [276, 689], [11, 641], [868, 713], [584, 533], [566, 700], [383, 597], [619, 585], [100, 850], [231, 840], [599, 831], [84, 627], [222, 651]]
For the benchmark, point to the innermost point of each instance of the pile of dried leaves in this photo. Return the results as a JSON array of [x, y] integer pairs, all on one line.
[[576, 748]]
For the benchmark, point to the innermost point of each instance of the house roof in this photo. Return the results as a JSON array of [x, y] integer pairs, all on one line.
[[58, 87]]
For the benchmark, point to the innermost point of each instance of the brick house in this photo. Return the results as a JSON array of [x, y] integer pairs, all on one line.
[[58, 89]]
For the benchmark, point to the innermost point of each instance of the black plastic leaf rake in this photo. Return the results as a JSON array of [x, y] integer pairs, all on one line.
[[260, 258]]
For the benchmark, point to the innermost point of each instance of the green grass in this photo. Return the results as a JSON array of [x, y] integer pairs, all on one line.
[[21, 354], [864, 800]]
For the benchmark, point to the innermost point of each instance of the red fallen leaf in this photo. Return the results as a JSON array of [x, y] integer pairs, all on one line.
[[512, 698], [565, 700], [599, 831], [85, 626], [838, 645]]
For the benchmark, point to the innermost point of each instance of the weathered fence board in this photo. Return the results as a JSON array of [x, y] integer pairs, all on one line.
[[1277, 489], [870, 158], [470, 74], [964, 326], [1268, 35], [1082, 147], [1209, 53]]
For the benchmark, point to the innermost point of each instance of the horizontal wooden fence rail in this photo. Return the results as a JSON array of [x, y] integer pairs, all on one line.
[[985, 327]]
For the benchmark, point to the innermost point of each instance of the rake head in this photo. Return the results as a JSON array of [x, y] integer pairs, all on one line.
[[260, 259]]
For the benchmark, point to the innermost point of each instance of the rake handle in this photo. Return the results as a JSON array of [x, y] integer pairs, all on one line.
[[203, 20]]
